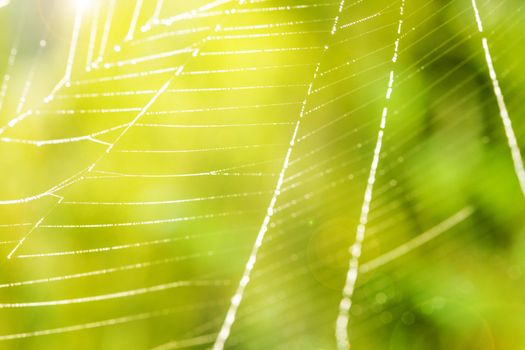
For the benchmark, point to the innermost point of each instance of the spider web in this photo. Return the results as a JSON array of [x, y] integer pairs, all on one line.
[[195, 173]]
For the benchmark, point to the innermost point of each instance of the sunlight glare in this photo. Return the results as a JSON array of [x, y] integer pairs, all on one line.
[[81, 4]]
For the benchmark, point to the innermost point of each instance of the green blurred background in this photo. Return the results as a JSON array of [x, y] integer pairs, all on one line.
[[183, 192]]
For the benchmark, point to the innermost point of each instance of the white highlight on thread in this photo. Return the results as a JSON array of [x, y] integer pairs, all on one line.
[[105, 34], [131, 124], [152, 57], [126, 76], [92, 325], [7, 77], [104, 249], [156, 13], [35, 227], [115, 248], [90, 137], [136, 266], [29, 81], [66, 80], [418, 241], [70, 180], [341, 327], [174, 91], [134, 20], [117, 295], [196, 13], [365, 19], [93, 37], [236, 300], [74, 41], [503, 112]]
